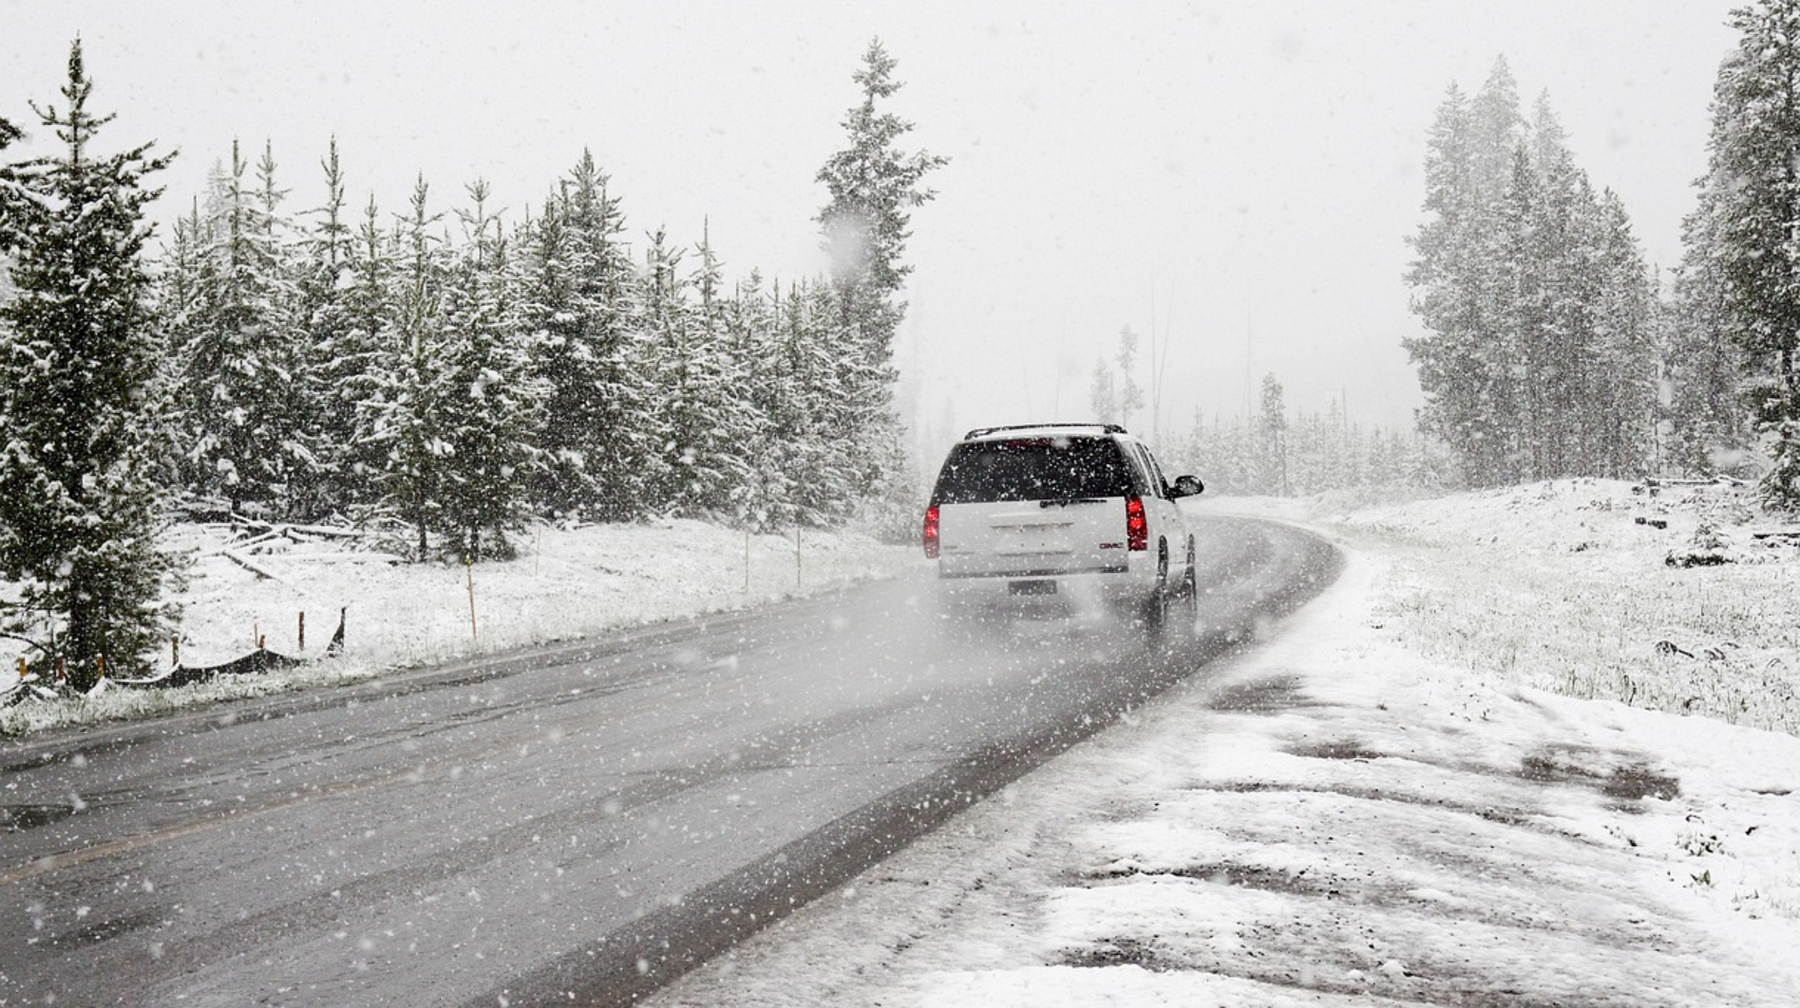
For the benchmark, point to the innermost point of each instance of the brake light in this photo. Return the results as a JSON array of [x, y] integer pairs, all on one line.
[[1137, 528], [931, 532]]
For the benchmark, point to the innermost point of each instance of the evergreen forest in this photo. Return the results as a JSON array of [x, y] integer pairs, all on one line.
[[435, 370]]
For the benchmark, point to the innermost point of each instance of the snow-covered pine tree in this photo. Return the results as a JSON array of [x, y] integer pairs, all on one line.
[[1702, 366], [760, 502], [1534, 299], [1502, 195], [1591, 381], [1622, 385], [837, 412], [1558, 341], [359, 375], [405, 411], [1751, 197], [700, 401], [178, 286], [728, 418], [665, 360], [12, 195], [1271, 432], [242, 407], [578, 301], [1497, 127], [81, 404], [1517, 353], [490, 399], [1448, 282], [873, 186], [335, 351], [817, 458]]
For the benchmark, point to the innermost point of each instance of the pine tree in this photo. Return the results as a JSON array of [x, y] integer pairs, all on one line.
[[333, 352], [665, 358], [1272, 437], [1623, 384], [1702, 367], [1448, 279], [760, 502], [873, 186], [359, 372], [726, 415], [13, 196], [180, 308], [1518, 352], [1751, 204], [487, 407], [698, 407], [242, 403], [1536, 303], [578, 297], [81, 403], [405, 411]]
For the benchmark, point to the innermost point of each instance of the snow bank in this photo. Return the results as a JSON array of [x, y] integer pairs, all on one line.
[[565, 584], [1378, 806]]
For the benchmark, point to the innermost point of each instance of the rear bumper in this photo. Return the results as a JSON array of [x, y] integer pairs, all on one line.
[[946, 573], [1040, 587]]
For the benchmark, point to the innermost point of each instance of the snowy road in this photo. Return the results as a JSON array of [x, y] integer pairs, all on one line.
[[587, 820]]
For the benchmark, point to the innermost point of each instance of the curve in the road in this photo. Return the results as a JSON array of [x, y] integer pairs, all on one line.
[[587, 820]]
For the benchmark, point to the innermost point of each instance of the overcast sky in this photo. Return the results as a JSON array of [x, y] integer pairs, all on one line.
[[1237, 177]]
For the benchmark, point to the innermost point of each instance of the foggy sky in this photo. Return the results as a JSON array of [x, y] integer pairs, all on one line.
[[1239, 177]]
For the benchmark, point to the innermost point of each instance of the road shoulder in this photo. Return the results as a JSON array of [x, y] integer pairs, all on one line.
[[1327, 819]]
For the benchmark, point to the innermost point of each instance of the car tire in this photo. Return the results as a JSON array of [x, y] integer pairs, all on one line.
[[1156, 607]]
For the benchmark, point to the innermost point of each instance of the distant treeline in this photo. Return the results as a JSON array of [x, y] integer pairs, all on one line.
[[1549, 350]]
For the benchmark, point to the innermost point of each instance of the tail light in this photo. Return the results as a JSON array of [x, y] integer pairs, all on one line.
[[931, 532], [1137, 528]]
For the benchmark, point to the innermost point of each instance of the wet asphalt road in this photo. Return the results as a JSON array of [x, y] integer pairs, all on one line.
[[578, 824]]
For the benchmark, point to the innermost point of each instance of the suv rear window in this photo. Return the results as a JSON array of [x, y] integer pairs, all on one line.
[[1026, 469]]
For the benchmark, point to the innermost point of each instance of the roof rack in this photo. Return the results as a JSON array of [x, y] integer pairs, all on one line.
[[1110, 428]]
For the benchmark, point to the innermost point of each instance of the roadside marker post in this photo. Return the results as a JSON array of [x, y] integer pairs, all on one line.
[[469, 569]]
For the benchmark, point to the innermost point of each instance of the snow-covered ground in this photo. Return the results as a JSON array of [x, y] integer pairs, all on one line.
[[1512, 756], [1384, 804], [566, 583]]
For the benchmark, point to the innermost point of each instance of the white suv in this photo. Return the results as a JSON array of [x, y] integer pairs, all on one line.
[[1075, 510]]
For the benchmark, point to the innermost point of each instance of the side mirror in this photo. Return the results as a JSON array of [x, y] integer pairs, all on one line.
[[1188, 486]]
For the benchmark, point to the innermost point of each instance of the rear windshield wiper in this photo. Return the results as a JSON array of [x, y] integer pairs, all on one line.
[[1066, 501]]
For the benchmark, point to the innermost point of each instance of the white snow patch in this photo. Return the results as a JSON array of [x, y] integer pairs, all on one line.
[[565, 584], [1377, 807]]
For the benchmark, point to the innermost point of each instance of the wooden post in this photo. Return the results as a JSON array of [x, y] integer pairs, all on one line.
[[100, 666], [22, 667], [174, 650], [469, 567], [303, 629]]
